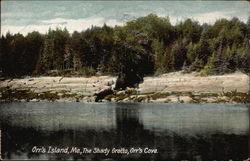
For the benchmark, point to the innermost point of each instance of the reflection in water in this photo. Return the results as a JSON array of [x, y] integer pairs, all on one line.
[[178, 131]]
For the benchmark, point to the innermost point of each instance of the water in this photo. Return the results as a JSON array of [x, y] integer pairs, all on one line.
[[176, 131]]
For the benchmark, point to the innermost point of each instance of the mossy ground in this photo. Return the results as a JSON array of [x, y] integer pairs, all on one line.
[[129, 95], [17, 95], [225, 97]]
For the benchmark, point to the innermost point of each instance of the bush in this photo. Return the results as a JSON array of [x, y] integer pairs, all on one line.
[[87, 71]]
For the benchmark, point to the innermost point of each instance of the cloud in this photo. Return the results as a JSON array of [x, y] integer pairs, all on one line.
[[26, 29], [54, 21], [71, 24], [211, 17], [114, 23], [84, 23], [208, 17]]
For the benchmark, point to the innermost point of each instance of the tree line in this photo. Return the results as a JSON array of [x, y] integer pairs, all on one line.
[[148, 45]]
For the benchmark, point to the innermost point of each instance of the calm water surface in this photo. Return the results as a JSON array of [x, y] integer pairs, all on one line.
[[177, 131]]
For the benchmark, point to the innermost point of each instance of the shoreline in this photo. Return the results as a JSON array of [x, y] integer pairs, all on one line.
[[172, 87]]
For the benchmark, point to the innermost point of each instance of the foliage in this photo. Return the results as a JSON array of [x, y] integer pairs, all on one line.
[[144, 46]]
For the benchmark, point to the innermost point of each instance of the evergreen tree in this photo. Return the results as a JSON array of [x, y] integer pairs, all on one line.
[[144, 46]]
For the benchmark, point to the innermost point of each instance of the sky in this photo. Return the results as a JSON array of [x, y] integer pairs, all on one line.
[[27, 16]]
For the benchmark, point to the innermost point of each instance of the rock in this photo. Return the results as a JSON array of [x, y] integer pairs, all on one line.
[[60, 94], [223, 99], [104, 100], [130, 91], [133, 96], [126, 99], [173, 99], [34, 100], [127, 79], [166, 83], [83, 99], [209, 99], [110, 83], [141, 98], [104, 92], [113, 86], [185, 99], [90, 98], [120, 93], [61, 100], [159, 100]]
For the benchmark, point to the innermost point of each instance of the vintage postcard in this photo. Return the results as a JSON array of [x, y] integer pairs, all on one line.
[[125, 80]]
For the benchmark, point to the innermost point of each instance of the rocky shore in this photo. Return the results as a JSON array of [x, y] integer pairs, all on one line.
[[171, 87]]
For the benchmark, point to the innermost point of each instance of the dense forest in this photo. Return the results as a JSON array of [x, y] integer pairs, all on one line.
[[148, 45]]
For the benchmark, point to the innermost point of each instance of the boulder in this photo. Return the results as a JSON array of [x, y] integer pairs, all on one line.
[[103, 93], [128, 79]]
